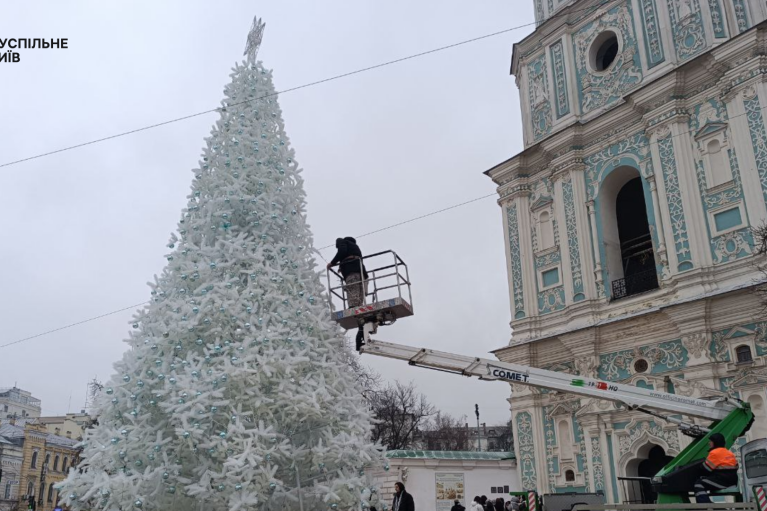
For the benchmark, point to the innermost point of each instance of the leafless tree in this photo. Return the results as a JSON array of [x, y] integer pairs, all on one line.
[[400, 412], [504, 439], [446, 433], [760, 249]]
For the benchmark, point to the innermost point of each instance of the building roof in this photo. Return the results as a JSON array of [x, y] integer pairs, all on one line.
[[11, 431], [450, 455]]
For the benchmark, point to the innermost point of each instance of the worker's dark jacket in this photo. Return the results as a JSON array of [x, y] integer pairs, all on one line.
[[349, 255], [721, 465]]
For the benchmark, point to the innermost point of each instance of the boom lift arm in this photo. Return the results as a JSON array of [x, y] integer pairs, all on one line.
[[391, 299], [730, 417]]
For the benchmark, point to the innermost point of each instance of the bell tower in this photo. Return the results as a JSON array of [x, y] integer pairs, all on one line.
[[627, 219]]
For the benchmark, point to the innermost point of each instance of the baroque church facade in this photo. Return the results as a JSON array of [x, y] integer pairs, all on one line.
[[628, 219]]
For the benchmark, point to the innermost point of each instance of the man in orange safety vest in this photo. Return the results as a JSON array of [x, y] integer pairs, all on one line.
[[719, 471]]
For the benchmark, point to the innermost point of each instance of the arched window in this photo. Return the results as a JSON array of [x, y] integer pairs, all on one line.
[[50, 493], [64, 465], [31, 489], [34, 460], [720, 171], [546, 226], [743, 354], [626, 241], [569, 476], [56, 463], [47, 459], [546, 230], [565, 441]]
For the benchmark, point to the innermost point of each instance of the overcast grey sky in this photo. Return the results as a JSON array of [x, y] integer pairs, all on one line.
[[85, 230]]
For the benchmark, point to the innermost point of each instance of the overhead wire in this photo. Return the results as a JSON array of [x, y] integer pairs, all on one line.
[[289, 90], [326, 246], [293, 89], [31, 337]]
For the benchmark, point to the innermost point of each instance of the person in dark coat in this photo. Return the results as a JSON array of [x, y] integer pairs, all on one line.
[[499, 504], [403, 501], [349, 258], [457, 506], [488, 504]]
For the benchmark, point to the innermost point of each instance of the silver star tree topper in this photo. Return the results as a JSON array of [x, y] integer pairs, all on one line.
[[255, 36]]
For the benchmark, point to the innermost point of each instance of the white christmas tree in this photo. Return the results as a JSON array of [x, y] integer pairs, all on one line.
[[234, 394]]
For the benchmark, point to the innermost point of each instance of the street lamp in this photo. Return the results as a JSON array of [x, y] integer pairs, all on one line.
[[42, 485], [479, 438]]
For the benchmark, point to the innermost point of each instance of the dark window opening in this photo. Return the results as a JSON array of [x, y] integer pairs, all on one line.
[[656, 460], [606, 53], [637, 256], [743, 354], [641, 365], [569, 476]]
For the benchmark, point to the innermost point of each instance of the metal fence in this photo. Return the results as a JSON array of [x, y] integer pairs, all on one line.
[[634, 284], [715, 506]]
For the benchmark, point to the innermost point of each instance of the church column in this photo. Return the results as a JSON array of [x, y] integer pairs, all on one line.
[[744, 146], [582, 223], [530, 448], [526, 253], [595, 246], [564, 241], [658, 220], [661, 135], [607, 443], [516, 222], [690, 194]]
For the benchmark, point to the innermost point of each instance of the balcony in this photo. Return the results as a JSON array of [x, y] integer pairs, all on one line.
[[634, 284]]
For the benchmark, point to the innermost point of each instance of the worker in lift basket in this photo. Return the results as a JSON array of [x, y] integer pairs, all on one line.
[[719, 471], [349, 256]]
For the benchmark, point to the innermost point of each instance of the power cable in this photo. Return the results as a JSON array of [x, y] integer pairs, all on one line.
[[144, 303], [327, 246], [299, 87], [296, 88], [71, 325]]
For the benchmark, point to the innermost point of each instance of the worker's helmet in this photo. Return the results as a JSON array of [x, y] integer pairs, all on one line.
[[717, 439]]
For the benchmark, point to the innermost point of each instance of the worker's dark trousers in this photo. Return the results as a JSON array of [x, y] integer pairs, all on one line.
[[713, 481], [356, 289]]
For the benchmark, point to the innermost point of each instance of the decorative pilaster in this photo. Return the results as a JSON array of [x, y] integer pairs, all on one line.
[[595, 244], [559, 74], [515, 262], [573, 254], [690, 194], [662, 144], [526, 251], [659, 221], [754, 116], [741, 127], [525, 445]]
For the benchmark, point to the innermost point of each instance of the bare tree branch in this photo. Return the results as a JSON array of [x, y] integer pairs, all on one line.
[[400, 411], [446, 433]]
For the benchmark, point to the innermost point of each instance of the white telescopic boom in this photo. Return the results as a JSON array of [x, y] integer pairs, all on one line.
[[486, 369]]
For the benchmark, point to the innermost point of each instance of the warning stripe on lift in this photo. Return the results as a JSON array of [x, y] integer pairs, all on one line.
[[532, 501], [761, 499]]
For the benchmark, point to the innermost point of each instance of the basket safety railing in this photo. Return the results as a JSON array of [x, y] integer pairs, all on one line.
[[388, 278]]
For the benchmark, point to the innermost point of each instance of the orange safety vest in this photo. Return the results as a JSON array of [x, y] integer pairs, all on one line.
[[721, 459]]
